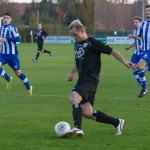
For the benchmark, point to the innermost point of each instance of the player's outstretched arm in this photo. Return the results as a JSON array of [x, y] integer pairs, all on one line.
[[120, 58], [130, 46]]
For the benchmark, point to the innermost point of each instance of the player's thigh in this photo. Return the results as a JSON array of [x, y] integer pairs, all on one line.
[[2, 59], [40, 45], [135, 58], [13, 62], [145, 59], [86, 89], [141, 64]]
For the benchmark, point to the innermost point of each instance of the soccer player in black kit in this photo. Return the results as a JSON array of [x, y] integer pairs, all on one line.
[[40, 35], [88, 65]]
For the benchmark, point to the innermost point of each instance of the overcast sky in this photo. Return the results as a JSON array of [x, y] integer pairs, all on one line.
[[24, 1], [29, 1]]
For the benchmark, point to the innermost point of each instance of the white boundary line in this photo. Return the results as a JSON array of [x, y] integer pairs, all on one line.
[[67, 96]]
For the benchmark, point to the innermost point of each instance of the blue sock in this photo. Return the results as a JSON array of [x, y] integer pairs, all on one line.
[[142, 78], [4, 75], [24, 79], [136, 75]]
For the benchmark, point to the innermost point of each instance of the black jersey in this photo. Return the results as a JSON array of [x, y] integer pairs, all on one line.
[[88, 58], [39, 34]]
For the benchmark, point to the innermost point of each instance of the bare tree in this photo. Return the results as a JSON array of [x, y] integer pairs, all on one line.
[[115, 15], [6, 6]]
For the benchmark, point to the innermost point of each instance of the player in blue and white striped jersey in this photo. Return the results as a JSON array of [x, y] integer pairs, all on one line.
[[138, 51], [144, 33], [9, 37]]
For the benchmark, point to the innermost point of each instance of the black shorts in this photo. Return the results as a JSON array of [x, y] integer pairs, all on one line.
[[87, 91], [40, 45]]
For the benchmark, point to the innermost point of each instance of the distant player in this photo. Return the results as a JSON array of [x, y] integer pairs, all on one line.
[[138, 53], [88, 53], [9, 53], [40, 35], [144, 34]]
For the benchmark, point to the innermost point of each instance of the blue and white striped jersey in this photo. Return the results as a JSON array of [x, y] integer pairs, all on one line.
[[144, 33], [11, 34], [137, 44]]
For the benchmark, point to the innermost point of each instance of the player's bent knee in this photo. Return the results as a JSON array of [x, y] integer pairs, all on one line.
[[73, 100], [87, 115], [17, 72], [139, 67]]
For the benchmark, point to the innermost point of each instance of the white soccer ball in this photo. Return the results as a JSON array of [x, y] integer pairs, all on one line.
[[61, 128]]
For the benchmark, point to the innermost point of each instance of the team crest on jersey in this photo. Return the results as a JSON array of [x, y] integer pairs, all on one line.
[[79, 52], [85, 45]]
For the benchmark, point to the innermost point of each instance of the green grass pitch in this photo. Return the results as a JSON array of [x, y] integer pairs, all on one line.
[[27, 123]]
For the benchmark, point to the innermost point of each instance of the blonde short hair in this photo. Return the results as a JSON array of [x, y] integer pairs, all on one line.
[[76, 24]]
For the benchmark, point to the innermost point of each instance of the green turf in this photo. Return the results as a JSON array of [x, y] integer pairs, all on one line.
[[27, 123]]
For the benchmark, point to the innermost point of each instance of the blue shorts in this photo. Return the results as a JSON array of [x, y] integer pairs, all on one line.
[[136, 57], [11, 60], [146, 57]]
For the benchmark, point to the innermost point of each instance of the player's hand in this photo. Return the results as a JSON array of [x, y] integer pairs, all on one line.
[[2, 40], [134, 66], [130, 36], [70, 77], [128, 64], [140, 47], [127, 48], [131, 64]]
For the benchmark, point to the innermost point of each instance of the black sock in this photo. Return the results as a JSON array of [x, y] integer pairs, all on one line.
[[101, 117], [46, 51], [77, 115], [37, 56]]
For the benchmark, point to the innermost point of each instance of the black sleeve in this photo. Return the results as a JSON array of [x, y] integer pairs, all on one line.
[[35, 34], [44, 33], [99, 46]]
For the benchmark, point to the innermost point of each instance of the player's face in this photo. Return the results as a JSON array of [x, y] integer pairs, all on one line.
[[7, 20], [136, 23], [147, 13], [77, 35], [39, 26]]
